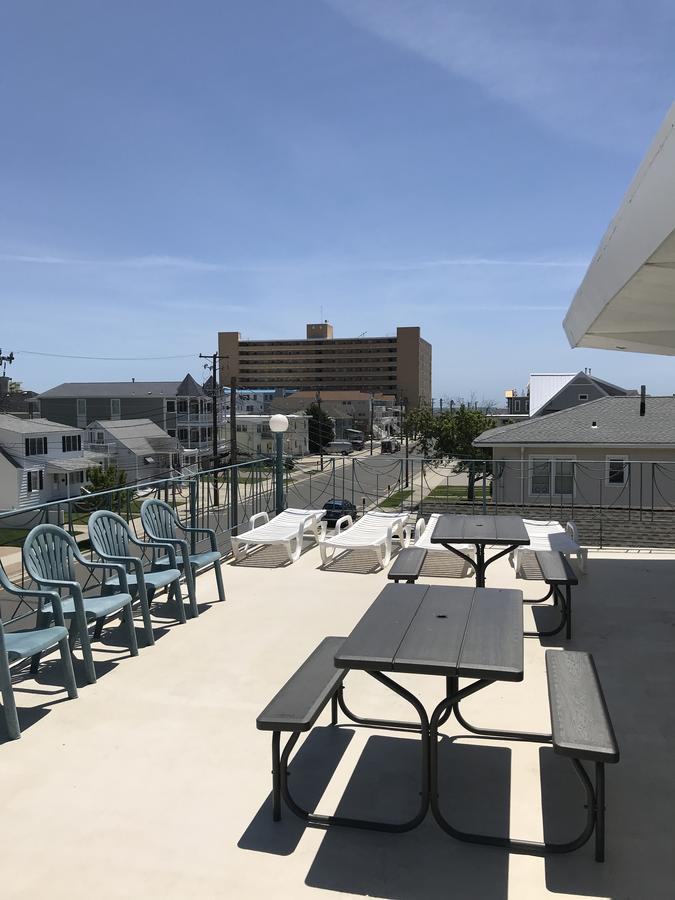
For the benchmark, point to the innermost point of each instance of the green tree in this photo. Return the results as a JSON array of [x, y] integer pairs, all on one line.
[[101, 480], [420, 424], [455, 435], [320, 428]]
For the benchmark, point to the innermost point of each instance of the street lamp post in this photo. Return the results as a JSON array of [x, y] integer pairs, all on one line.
[[278, 427]]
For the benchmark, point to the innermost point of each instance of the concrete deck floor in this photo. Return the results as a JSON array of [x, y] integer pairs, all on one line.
[[155, 782]]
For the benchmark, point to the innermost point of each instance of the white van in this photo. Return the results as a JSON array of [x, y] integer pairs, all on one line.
[[337, 447]]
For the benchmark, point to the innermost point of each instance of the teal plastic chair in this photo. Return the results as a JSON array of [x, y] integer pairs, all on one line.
[[50, 554], [161, 524], [29, 643], [110, 538]]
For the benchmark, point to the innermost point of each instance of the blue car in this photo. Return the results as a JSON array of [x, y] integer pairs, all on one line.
[[335, 509]]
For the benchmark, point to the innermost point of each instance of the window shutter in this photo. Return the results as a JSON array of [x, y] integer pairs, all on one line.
[[63, 443], [42, 481], [27, 447], [29, 482]]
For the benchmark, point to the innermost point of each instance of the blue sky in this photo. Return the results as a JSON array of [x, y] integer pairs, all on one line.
[[169, 169]]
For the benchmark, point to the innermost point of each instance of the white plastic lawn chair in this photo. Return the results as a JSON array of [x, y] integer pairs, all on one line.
[[374, 531], [289, 529], [423, 531], [551, 536]]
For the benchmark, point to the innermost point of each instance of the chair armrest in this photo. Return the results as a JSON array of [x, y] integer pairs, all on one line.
[[341, 521], [572, 531], [263, 516], [420, 525], [156, 545], [27, 592], [210, 531], [116, 567]]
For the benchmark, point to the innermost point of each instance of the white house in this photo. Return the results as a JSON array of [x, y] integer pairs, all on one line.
[[255, 438], [41, 461], [138, 446]]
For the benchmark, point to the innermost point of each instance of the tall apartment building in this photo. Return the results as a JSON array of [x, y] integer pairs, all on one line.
[[399, 365]]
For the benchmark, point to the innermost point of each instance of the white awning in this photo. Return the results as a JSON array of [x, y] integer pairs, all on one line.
[[75, 463], [627, 298]]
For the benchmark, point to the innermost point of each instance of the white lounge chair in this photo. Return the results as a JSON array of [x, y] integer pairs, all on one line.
[[375, 531], [289, 528], [423, 531], [551, 536]]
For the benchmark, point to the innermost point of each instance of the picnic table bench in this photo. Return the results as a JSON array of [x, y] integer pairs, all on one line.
[[557, 572], [407, 565], [454, 632]]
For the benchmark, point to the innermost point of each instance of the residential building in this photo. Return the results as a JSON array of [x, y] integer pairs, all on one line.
[[399, 365], [254, 437], [352, 407], [180, 408], [551, 392], [41, 461], [517, 404], [138, 446], [15, 401], [257, 403], [600, 453]]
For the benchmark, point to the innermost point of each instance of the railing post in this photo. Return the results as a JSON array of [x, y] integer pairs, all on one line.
[[234, 499], [279, 465], [194, 487], [485, 489]]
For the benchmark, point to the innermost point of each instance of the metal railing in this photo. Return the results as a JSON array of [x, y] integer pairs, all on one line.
[[223, 499], [630, 503]]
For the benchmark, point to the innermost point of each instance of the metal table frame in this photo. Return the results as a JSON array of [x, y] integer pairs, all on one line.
[[481, 562], [428, 729]]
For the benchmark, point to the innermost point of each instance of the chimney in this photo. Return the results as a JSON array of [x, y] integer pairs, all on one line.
[[133, 381], [643, 391]]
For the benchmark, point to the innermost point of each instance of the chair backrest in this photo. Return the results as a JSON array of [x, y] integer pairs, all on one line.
[[108, 534], [49, 554], [159, 519]]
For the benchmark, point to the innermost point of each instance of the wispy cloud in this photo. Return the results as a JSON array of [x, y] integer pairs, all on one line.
[[190, 264], [598, 71]]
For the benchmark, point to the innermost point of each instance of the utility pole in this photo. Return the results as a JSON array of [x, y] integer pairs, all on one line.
[[371, 423], [407, 474], [318, 402], [441, 403], [214, 424]]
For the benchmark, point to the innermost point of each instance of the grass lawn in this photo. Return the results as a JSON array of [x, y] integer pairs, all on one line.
[[394, 501], [455, 492], [12, 537]]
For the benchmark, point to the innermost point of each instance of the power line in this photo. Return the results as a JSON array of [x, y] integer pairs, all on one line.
[[108, 358]]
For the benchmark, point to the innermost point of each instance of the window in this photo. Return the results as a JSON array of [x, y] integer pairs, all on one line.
[[171, 406], [77, 478], [71, 442], [516, 406], [182, 406], [183, 435], [171, 432], [583, 396], [551, 476], [35, 480], [36, 446], [115, 409], [617, 469], [194, 407]]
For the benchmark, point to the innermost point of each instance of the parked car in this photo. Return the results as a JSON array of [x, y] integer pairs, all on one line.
[[343, 447], [390, 446], [358, 445], [335, 509]]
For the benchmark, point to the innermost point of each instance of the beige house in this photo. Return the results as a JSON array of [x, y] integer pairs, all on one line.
[[254, 437], [608, 452]]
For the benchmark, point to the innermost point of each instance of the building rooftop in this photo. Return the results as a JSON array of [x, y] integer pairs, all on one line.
[[86, 390], [142, 436], [605, 422], [156, 783], [32, 426]]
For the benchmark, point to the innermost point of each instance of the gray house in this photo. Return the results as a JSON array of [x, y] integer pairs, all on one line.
[[180, 408], [549, 393], [138, 446], [601, 453]]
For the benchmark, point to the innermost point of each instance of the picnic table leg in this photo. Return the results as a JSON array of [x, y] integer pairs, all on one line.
[[594, 797], [368, 824]]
